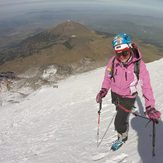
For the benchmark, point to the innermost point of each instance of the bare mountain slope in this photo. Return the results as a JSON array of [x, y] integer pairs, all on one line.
[[67, 43], [70, 46], [56, 53]]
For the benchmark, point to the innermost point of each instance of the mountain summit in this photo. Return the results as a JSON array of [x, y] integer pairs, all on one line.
[[67, 43], [70, 29]]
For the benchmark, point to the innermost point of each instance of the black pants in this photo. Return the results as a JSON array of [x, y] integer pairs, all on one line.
[[122, 117]]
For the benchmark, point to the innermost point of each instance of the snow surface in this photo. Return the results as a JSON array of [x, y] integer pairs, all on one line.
[[59, 125]]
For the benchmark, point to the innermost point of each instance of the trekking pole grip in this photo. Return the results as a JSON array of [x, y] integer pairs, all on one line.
[[100, 107]]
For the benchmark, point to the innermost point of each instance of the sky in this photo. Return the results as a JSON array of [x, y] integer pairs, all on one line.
[[13, 7], [120, 2], [15, 15]]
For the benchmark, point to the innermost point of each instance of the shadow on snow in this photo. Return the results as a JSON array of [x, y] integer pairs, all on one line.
[[145, 138]]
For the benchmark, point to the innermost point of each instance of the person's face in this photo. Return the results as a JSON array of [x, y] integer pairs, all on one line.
[[123, 56]]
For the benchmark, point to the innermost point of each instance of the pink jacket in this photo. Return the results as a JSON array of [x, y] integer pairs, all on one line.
[[125, 83]]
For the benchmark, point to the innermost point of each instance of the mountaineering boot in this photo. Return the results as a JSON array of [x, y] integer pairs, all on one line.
[[122, 138]]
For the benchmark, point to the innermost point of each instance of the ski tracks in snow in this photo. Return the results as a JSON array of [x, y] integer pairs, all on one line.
[[105, 158]]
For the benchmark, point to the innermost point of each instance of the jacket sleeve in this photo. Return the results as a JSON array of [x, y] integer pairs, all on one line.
[[107, 81], [146, 86]]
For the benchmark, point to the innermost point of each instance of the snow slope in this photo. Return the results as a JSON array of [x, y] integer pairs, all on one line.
[[59, 125]]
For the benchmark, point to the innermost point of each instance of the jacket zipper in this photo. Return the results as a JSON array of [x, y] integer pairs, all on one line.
[[126, 76]]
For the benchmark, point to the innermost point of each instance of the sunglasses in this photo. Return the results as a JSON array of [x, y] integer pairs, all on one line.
[[123, 53]]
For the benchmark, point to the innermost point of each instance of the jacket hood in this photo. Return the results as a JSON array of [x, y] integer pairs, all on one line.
[[136, 54]]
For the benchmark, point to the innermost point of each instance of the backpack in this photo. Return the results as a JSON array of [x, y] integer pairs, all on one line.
[[136, 65]]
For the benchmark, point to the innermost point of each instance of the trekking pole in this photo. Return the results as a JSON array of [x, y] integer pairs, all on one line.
[[98, 129], [106, 130], [154, 122], [153, 138], [130, 111]]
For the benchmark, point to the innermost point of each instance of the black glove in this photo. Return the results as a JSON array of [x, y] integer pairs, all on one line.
[[153, 113], [103, 92]]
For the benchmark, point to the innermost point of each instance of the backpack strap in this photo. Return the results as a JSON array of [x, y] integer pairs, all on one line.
[[137, 63], [112, 70], [137, 68]]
